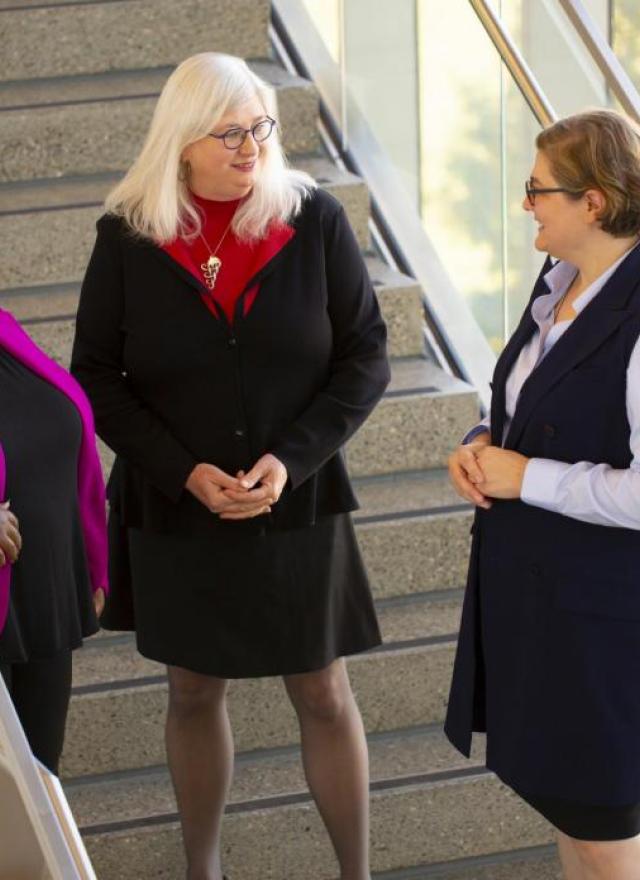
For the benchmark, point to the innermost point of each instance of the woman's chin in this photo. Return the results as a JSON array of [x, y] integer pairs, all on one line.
[[540, 243]]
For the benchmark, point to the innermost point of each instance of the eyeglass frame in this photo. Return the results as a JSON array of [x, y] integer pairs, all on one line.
[[532, 191], [245, 133]]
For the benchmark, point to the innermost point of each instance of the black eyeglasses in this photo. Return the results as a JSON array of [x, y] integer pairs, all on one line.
[[235, 137], [533, 191]]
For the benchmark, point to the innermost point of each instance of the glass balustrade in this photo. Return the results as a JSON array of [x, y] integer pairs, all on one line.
[[456, 129]]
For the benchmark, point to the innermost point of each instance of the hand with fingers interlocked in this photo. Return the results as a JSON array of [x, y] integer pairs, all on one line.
[[260, 488], [10, 538], [465, 471], [243, 496]]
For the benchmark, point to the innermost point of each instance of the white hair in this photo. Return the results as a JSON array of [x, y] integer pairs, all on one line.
[[153, 196]]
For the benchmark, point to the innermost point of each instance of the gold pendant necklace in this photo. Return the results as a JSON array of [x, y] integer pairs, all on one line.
[[213, 265]]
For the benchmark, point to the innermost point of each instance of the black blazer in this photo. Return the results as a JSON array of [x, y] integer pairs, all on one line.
[[548, 657], [172, 386]]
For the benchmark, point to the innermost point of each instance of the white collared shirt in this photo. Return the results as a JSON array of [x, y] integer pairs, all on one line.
[[593, 492]]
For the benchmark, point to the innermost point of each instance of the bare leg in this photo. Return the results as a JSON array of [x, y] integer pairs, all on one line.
[[609, 859], [335, 758], [571, 866], [200, 756]]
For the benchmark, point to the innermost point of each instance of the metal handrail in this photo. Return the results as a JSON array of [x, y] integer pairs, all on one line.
[[516, 65], [603, 55]]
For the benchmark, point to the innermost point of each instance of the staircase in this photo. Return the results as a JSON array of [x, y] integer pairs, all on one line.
[[80, 82]]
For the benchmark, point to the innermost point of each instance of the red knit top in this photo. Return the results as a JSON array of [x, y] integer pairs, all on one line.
[[240, 260]]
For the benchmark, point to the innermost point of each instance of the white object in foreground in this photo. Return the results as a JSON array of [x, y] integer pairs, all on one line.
[[39, 839]]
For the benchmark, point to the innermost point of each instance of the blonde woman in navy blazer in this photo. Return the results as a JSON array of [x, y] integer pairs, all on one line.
[[548, 661]]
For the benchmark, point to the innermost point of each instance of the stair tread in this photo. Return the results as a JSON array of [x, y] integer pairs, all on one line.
[[400, 757], [415, 375], [69, 192], [532, 863], [118, 85], [383, 275], [406, 493]]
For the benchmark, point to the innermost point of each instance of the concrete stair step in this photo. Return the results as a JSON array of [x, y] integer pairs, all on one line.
[[399, 297], [393, 438], [118, 704], [48, 226], [144, 793], [136, 796], [81, 125], [429, 807], [531, 863], [75, 38]]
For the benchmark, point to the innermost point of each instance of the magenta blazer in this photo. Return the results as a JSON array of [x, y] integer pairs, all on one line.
[[91, 492]]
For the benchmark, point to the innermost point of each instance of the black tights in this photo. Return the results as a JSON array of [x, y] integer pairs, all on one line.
[[40, 691]]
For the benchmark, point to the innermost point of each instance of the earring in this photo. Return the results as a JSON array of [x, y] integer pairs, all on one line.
[[184, 171]]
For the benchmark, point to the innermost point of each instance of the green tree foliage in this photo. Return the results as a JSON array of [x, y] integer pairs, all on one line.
[[626, 36]]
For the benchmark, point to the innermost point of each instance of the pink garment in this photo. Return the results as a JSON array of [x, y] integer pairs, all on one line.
[[91, 492]]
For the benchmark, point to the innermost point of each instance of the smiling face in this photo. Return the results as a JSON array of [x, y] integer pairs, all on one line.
[[221, 174], [565, 223]]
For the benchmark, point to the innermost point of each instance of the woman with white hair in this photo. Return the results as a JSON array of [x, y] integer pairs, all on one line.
[[230, 341]]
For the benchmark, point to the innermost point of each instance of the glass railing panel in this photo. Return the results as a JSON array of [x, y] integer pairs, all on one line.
[[326, 15], [456, 131], [522, 261], [456, 134], [381, 68], [625, 36], [477, 138], [556, 54]]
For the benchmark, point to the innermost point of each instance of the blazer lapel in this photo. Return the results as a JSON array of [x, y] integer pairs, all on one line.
[[599, 319], [178, 268], [523, 332]]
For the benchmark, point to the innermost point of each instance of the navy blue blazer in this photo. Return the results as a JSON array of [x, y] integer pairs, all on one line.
[[548, 660]]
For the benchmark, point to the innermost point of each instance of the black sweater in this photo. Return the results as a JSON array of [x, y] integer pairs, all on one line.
[[172, 386]]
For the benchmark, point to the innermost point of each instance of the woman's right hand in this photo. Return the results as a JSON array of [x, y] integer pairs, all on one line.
[[465, 472], [207, 483], [10, 538]]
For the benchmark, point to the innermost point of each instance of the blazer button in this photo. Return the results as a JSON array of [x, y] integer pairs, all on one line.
[[233, 341], [535, 569], [549, 431], [239, 432]]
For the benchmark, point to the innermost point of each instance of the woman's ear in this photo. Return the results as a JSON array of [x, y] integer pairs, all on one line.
[[596, 203]]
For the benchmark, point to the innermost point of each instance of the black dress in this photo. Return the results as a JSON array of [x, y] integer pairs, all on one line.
[[51, 607]]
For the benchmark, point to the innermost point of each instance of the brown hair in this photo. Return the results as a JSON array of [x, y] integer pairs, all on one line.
[[599, 149]]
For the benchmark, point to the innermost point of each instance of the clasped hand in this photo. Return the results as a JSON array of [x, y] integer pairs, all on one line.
[[480, 472], [243, 496], [10, 538]]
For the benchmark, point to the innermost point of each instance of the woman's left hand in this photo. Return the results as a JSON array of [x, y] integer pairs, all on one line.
[[270, 475], [98, 601], [503, 472]]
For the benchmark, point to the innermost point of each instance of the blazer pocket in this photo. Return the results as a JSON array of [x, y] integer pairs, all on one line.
[[617, 599]]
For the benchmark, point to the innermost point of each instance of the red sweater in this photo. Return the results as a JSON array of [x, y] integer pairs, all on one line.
[[240, 260]]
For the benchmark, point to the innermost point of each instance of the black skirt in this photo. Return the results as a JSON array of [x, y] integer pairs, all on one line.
[[248, 605], [587, 821]]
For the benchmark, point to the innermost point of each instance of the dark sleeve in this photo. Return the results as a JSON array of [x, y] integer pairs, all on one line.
[[122, 419], [359, 369]]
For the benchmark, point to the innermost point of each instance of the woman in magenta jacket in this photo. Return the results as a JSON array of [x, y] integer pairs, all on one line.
[[53, 558]]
